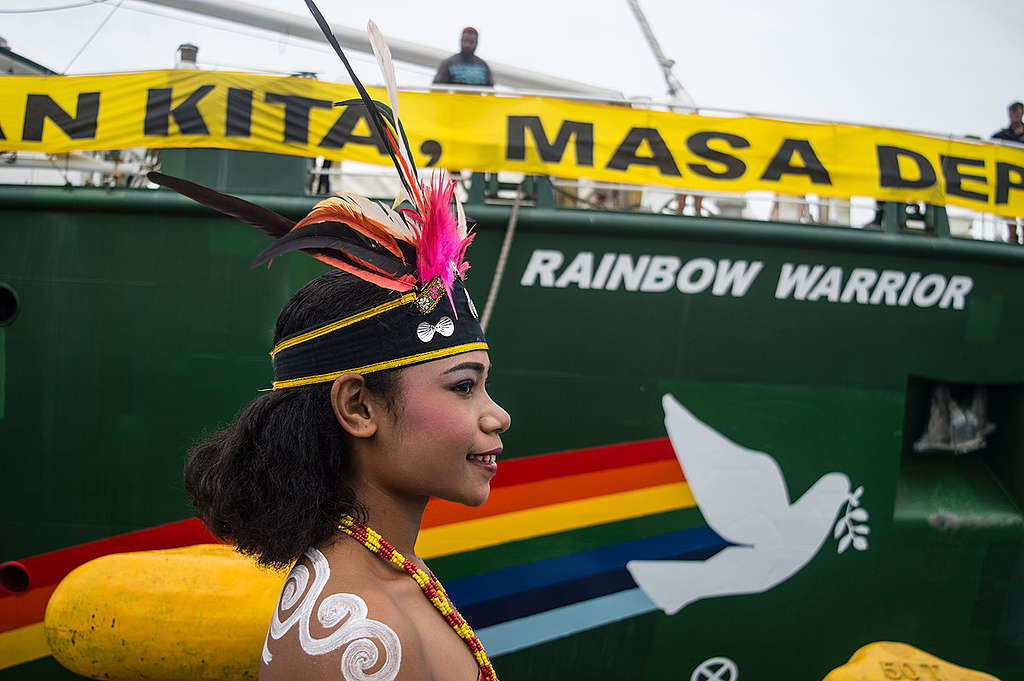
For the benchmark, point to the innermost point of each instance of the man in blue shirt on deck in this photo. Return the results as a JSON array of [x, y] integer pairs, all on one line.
[[465, 68]]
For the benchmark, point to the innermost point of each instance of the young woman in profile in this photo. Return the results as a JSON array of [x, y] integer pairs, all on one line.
[[304, 466], [379, 403]]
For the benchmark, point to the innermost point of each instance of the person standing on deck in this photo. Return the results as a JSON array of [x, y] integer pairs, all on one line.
[[1013, 133], [464, 67]]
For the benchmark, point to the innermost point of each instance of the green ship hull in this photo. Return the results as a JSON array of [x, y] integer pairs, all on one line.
[[140, 327]]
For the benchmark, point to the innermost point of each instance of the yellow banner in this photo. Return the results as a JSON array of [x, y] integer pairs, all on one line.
[[536, 135]]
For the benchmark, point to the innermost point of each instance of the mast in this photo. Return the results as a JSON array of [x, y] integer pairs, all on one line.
[[676, 90], [401, 50]]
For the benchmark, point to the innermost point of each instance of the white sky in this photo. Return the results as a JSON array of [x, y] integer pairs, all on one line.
[[933, 65]]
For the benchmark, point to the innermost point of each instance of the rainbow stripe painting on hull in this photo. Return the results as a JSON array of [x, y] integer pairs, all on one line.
[[544, 558]]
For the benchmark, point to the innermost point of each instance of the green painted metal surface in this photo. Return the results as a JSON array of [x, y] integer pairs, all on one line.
[[141, 327], [3, 372], [238, 172]]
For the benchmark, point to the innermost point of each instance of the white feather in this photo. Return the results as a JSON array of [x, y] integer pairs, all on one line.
[[391, 219], [401, 196], [463, 229], [387, 69], [383, 54]]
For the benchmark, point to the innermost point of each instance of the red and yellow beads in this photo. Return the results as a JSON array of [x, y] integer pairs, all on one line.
[[428, 583]]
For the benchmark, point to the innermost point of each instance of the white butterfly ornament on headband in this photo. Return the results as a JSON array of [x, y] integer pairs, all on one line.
[[445, 326]]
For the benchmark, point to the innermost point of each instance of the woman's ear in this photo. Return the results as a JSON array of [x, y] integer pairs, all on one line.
[[352, 406]]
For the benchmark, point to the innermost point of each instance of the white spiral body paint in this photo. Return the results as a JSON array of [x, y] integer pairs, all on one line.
[[347, 612]]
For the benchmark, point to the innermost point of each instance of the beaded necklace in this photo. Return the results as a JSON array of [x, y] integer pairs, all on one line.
[[428, 583]]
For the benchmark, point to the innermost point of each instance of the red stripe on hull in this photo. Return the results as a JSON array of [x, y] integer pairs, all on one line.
[[574, 461], [50, 568], [47, 569]]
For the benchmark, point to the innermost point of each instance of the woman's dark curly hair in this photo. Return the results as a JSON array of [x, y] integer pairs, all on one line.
[[273, 482]]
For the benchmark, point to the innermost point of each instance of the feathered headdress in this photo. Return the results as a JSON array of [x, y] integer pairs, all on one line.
[[430, 235], [419, 251]]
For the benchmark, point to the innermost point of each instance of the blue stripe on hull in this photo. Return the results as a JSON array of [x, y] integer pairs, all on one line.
[[487, 613], [547, 626], [519, 578]]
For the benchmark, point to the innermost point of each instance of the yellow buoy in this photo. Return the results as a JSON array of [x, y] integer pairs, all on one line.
[[198, 612], [887, 661]]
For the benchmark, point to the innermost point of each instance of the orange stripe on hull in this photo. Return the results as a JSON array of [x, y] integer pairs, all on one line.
[[25, 608], [556, 491]]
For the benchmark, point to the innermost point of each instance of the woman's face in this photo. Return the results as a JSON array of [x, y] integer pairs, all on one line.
[[444, 435]]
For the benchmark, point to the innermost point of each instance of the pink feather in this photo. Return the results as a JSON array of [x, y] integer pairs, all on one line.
[[439, 250]]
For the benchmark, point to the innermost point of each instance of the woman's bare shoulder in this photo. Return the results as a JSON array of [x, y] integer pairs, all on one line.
[[338, 620]]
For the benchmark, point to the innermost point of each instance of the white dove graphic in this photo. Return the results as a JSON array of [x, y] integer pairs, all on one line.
[[743, 497]]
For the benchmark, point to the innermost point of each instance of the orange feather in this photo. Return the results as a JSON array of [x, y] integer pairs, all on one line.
[[367, 217], [402, 284]]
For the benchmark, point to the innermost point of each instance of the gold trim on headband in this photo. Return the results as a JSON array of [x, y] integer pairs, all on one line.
[[341, 323], [379, 366]]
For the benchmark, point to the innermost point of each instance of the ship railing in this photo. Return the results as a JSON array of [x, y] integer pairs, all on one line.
[[108, 168], [856, 212], [127, 168]]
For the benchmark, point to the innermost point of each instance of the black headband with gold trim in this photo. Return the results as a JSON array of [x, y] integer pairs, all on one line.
[[417, 327]]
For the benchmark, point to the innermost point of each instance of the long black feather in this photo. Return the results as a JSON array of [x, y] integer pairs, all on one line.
[[264, 219], [337, 236], [377, 122], [328, 246], [381, 106]]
